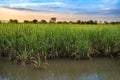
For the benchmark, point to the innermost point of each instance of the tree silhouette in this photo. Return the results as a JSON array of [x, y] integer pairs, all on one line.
[[100, 22], [43, 22], [112, 22], [26, 21], [35, 21], [65, 22], [90, 22], [95, 22], [78, 22], [13, 21], [71, 22], [53, 20], [59, 22], [105, 22], [10, 21]]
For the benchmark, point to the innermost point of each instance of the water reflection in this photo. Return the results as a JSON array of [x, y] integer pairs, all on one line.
[[94, 76], [60, 77], [99, 69]]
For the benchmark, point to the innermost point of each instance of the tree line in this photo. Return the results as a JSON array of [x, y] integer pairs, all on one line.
[[53, 21]]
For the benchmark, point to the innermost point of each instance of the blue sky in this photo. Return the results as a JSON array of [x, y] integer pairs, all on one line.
[[79, 7]]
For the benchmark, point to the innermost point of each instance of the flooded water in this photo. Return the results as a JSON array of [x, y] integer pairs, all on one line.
[[63, 69]]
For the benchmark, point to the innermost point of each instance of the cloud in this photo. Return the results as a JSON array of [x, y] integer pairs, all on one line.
[[88, 7], [109, 1], [32, 5], [35, 6], [14, 1]]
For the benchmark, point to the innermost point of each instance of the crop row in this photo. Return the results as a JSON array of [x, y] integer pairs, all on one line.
[[26, 41]]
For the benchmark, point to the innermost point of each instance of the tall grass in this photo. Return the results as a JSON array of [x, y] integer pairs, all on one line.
[[53, 40]]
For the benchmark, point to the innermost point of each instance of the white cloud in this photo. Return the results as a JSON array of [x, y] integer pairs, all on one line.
[[110, 1], [106, 8], [28, 5], [107, 5], [19, 5], [100, 5], [36, 6], [14, 1]]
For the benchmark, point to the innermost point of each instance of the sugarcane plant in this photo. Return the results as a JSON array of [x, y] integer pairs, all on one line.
[[23, 56]]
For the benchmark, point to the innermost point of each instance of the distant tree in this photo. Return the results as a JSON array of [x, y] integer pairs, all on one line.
[[112, 22], [26, 21], [34, 21], [117, 22], [78, 22], [71, 22], [53, 20], [0, 22], [82, 22], [10, 21], [100, 22], [13, 21], [90, 22], [105, 22], [95, 22], [65, 22], [43, 21], [59, 22]]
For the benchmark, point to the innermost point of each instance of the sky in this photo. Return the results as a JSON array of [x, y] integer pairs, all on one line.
[[66, 9]]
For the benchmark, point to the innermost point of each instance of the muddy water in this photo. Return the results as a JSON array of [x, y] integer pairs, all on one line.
[[98, 69]]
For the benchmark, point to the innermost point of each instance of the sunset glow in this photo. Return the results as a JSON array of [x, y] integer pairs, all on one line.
[[61, 9]]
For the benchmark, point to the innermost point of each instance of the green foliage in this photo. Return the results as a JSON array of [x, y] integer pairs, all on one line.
[[64, 39]]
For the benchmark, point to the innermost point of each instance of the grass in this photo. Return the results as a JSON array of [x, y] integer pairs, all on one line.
[[58, 40]]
